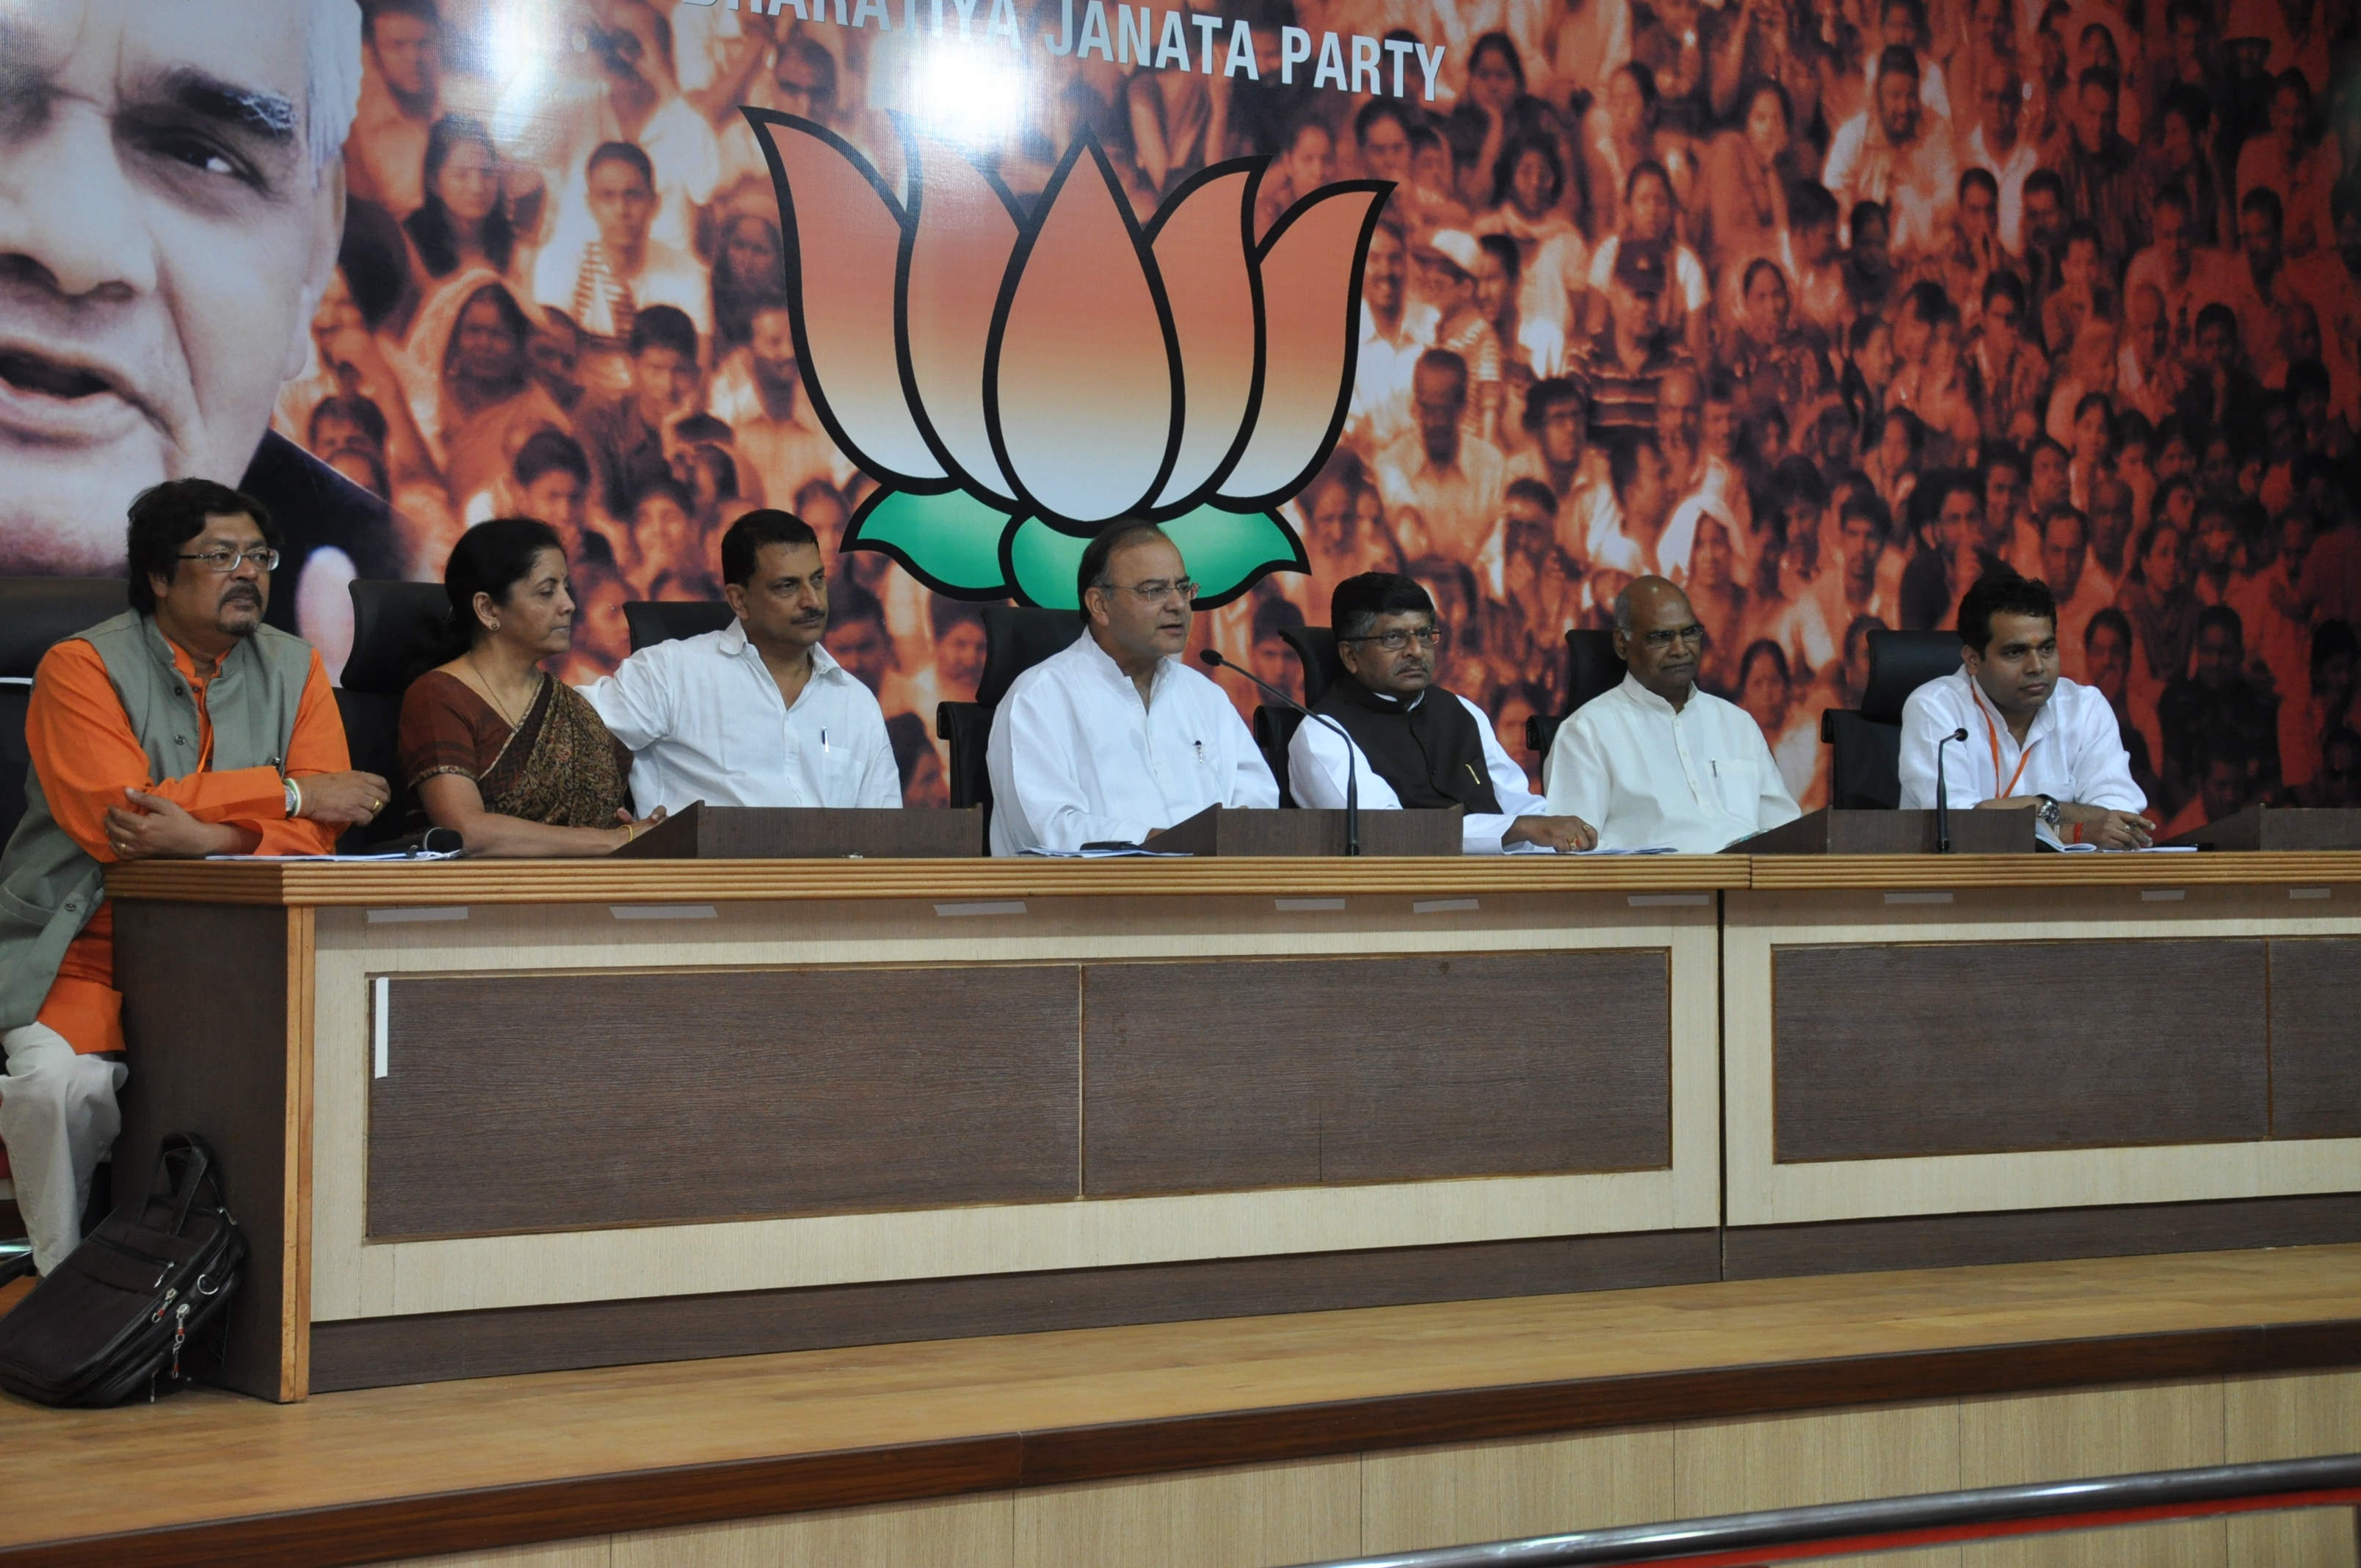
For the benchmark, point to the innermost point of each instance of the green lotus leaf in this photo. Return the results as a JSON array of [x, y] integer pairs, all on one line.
[[1229, 551], [1043, 565], [949, 542], [1226, 552]]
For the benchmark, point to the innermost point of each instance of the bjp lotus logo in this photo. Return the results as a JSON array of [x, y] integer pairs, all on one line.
[[1019, 379]]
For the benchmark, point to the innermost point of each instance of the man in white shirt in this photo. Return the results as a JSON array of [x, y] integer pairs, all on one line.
[[1888, 154], [1411, 745], [603, 279], [2034, 740], [1115, 739], [756, 714], [1996, 147], [1656, 761]]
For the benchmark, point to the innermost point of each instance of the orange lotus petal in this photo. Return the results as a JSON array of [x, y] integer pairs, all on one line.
[[1311, 324], [957, 263], [1202, 253], [1084, 383], [847, 262]]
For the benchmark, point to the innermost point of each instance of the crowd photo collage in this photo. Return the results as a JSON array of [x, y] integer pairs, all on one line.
[[1822, 309]]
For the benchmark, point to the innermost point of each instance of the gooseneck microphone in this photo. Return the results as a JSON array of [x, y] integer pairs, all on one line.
[[1943, 794], [1213, 657]]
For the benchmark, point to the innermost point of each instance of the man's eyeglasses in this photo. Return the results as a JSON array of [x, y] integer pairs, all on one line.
[[223, 562], [1396, 641], [1157, 591], [1666, 637]]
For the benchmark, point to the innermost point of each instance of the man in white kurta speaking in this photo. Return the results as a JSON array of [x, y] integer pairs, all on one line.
[[1115, 738], [757, 713], [1656, 763], [2035, 742]]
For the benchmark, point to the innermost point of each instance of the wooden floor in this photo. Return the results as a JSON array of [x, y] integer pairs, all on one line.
[[682, 1441]]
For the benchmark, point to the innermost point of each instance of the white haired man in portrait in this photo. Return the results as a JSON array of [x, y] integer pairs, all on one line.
[[172, 203]]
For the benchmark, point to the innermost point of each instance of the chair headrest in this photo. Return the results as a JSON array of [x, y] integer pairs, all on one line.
[[38, 613], [1899, 664], [398, 631], [668, 620], [1315, 649], [1592, 670], [1016, 638]]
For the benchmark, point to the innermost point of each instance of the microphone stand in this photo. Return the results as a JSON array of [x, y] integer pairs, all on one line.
[[1943, 794], [1213, 658]]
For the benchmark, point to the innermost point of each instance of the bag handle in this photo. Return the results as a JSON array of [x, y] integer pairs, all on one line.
[[186, 1167]]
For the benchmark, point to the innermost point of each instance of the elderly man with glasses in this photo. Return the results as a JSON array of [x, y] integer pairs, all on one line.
[[1412, 745], [1657, 763], [1115, 740], [183, 728]]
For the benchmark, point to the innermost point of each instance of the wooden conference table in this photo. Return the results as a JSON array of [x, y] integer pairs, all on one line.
[[483, 1118]]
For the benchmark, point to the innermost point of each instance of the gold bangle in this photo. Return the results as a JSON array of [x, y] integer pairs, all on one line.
[[631, 831]]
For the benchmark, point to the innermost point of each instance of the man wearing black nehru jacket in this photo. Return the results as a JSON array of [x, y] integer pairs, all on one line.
[[1414, 746]]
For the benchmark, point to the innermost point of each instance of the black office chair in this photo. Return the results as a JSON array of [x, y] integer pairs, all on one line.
[[1592, 671], [1274, 732], [35, 615], [1016, 638], [400, 632], [667, 620], [1315, 649], [1865, 762]]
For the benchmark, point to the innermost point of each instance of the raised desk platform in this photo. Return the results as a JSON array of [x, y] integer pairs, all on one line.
[[1334, 1433], [488, 1118]]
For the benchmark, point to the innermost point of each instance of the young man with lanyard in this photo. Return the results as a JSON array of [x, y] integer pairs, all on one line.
[[1414, 746], [2036, 741]]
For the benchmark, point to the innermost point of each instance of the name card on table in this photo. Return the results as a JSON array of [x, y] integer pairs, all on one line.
[[1833, 832], [1216, 832], [702, 832]]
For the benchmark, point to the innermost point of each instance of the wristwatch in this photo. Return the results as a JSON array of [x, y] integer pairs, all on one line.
[[2047, 811], [294, 800]]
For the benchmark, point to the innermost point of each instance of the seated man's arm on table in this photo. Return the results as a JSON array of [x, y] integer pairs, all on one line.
[[880, 776], [1250, 786], [1316, 772], [1523, 817], [95, 775], [635, 703], [1925, 722], [1034, 757], [1579, 781], [2109, 809], [1773, 807]]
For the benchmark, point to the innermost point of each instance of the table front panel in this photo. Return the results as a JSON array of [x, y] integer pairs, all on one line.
[[1298, 1071], [2316, 1038], [1999, 1047], [540, 1102]]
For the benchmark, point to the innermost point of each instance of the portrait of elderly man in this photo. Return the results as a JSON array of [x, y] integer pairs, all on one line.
[[171, 200]]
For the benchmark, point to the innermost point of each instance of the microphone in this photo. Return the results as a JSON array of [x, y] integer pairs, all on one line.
[[1943, 794], [1213, 658]]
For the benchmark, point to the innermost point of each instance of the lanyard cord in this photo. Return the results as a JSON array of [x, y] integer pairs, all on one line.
[[1992, 733]]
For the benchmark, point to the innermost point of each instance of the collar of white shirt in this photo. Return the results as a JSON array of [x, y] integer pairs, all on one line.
[[1101, 663], [736, 644]]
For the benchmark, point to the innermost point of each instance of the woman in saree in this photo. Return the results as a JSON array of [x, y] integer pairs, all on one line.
[[497, 749], [481, 403]]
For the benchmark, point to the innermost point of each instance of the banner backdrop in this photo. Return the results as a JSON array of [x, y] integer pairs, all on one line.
[[1821, 307]]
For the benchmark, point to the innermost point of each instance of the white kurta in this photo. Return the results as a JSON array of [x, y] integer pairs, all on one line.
[[705, 722], [1316, 773], [2074, 752], [1643, 774], [1076, 758]]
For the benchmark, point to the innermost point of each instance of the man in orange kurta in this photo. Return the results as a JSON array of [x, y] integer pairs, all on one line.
[[96, 777]]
